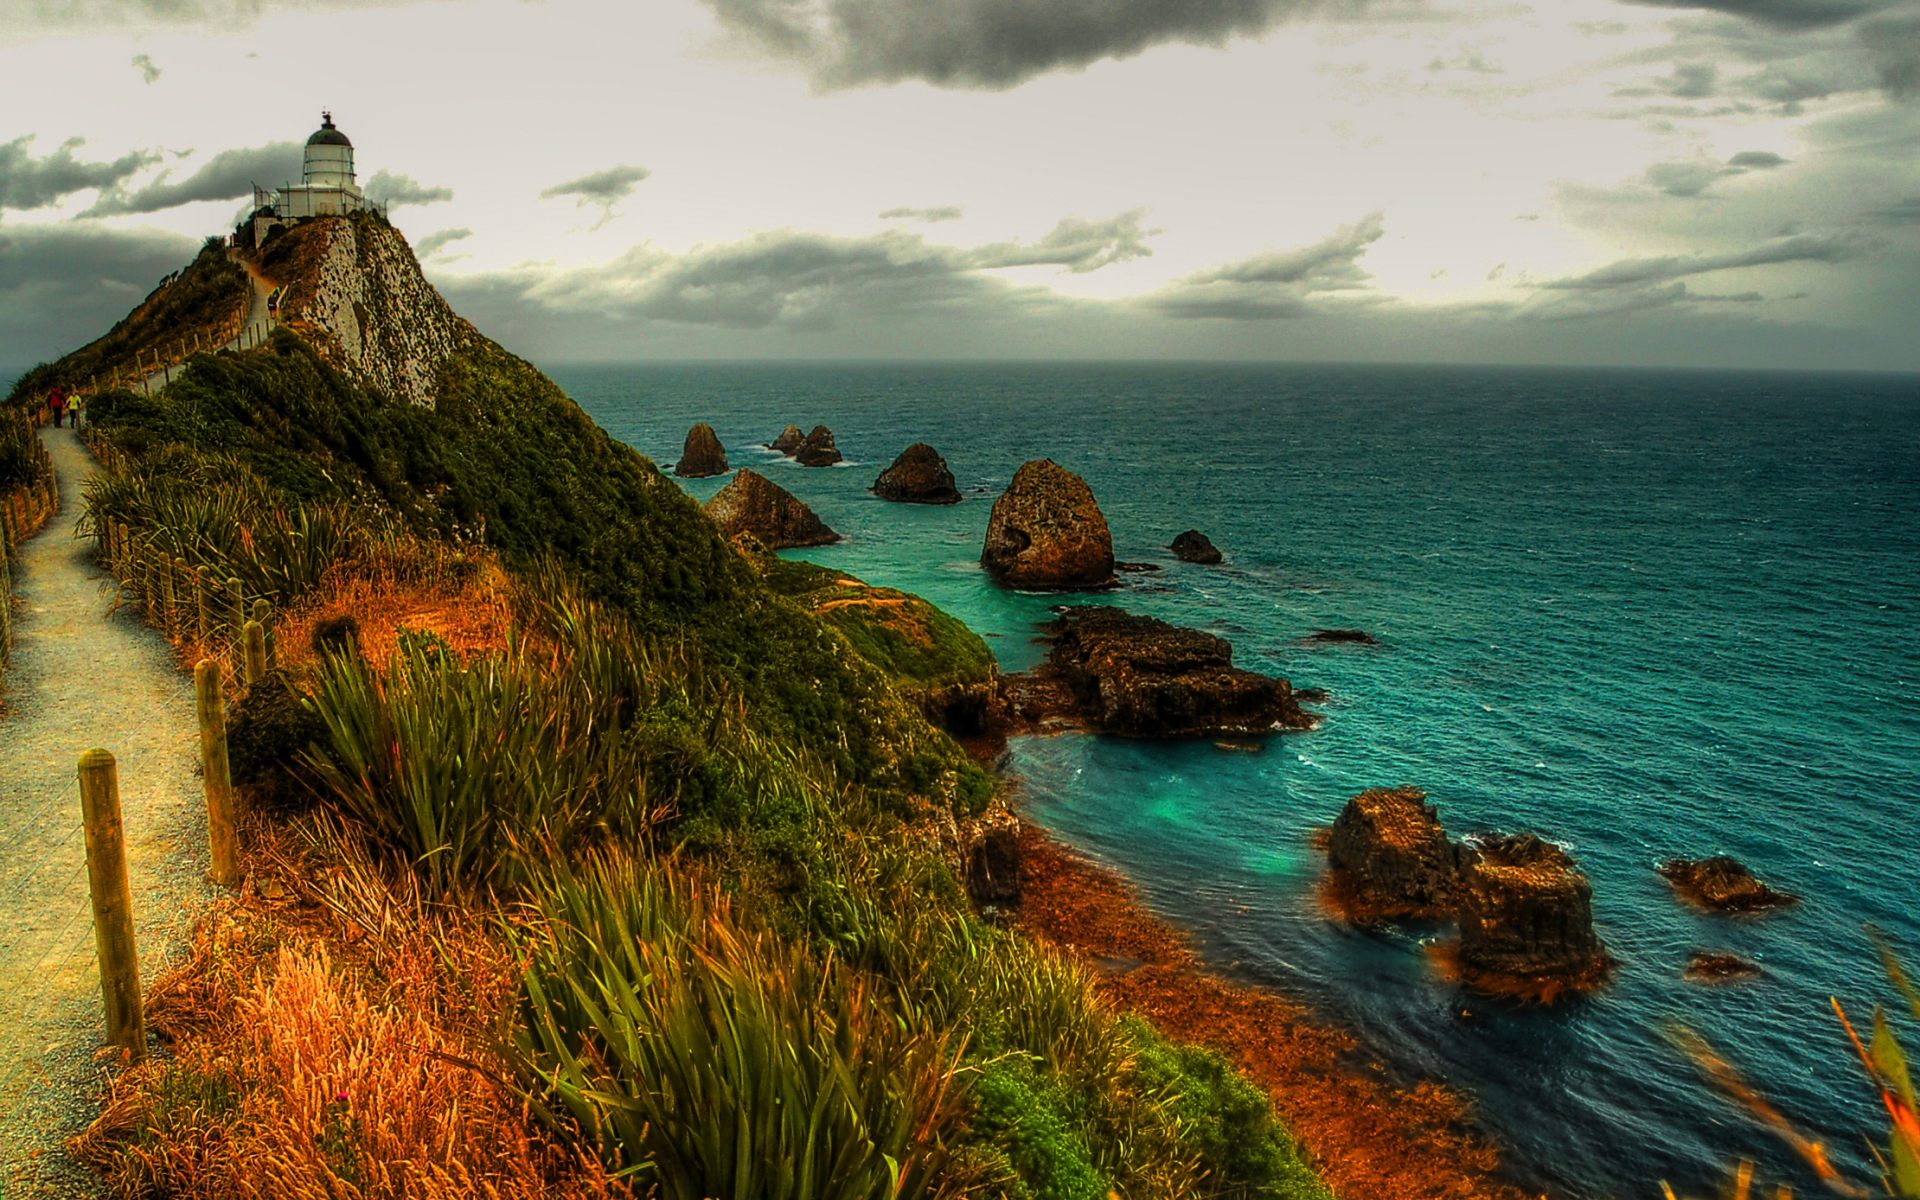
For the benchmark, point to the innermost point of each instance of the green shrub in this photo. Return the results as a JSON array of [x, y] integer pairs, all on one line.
[[712, 1061]]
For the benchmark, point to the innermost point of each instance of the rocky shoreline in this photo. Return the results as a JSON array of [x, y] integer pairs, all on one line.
[[1369, 1137]]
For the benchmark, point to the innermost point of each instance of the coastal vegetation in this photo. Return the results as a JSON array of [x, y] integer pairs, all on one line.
[[592, 855]]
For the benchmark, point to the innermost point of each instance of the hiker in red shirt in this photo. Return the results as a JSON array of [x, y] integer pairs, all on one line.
[[57, 401]]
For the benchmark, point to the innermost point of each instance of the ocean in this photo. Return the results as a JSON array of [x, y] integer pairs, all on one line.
[[1643, 614]]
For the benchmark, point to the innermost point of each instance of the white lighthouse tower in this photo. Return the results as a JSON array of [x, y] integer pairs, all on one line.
[[326, 188]]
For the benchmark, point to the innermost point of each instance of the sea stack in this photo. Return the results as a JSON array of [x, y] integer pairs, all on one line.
[[703, 456], [752, 504], [818, 450], [1195, 547], [1526, 922], [1391, 857], [789, 441], [1047, 533], [918, 476]]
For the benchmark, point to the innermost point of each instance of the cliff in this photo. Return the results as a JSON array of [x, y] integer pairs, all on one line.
[[354, 291]]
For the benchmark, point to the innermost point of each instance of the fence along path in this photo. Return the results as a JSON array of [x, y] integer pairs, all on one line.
[[82, 676]]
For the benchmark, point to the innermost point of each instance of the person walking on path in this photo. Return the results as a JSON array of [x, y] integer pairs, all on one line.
[[57, 401]]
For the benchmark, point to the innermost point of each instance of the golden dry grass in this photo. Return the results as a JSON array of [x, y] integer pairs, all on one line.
[[469, 608], [333, 1037]]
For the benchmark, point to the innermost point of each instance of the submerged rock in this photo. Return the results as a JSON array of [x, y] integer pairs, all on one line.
[[1355, 637], [703, 456], [1391, 858], [752, 504], [1195, 547], [789, 441], [1722, 883], [1526, 921], [1047, 532], [1706, 967], [1140, 677], [918, 476], [818, 450]]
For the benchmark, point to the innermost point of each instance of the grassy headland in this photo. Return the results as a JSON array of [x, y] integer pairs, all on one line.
[[643, 880]]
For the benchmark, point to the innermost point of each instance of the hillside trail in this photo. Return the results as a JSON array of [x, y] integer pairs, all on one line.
[[83, 675], [259, 324]]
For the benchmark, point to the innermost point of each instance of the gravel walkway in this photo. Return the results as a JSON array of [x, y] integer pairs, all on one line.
[[82, 676]]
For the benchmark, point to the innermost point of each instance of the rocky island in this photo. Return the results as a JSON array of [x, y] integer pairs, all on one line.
[[1115, 672], [918, 476], [754, 505], [1047, 533], [703, 455]]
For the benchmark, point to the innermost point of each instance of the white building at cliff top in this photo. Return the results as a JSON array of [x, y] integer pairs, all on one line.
[[326, 189]]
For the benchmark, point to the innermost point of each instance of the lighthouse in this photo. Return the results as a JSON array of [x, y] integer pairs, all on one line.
[[327, 187]]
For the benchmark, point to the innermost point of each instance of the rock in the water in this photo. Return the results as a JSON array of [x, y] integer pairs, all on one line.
[[1195, 547], [1047, 532], [752, 504], [1391, 858], [1145, 678], [703, 456], [789, 441], [1355, 637], [1703, 966], [918, 476], [818, 450], [1526, 921], [1722, 883]]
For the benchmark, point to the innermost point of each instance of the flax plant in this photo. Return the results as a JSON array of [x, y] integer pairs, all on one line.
[[708, 1060]]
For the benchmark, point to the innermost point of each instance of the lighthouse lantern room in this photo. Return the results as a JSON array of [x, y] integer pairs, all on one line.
[[326, 188]]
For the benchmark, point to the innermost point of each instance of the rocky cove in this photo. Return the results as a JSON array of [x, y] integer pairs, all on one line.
[[1476, 700]]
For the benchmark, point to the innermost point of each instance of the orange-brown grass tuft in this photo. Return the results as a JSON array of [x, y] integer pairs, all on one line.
[[333, 1038], [461, 596]]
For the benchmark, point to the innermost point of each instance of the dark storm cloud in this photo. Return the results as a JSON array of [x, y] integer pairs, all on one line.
[[1906, 212], [434, 243], [813, 281], [602, 188], [27, 182], [946, 212], [1757, 160], [1273, 285], [990, 44], [396, 190], [63, 284], [1635, 272], [1782, 14], [1894, 44], [1690, 81], [228, 175], [144, 64]]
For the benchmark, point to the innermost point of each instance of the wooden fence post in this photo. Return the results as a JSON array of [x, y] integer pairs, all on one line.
[[263, 613], [256, 653], [112, 903], [203, 599], [222, 838], [165, 566], [237, 616]]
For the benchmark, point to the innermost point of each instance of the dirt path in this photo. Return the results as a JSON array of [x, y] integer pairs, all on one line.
[[259, 325], [81, 677]]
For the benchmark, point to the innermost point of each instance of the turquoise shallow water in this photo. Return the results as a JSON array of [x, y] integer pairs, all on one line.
[[1644, 614]]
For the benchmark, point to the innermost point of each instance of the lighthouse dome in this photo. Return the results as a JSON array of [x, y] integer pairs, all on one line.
[[329, 156]]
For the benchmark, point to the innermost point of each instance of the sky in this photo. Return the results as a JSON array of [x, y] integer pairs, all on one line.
[[1700, 183]]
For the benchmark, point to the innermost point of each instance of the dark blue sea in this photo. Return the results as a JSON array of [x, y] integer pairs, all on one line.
[[1643, 614]]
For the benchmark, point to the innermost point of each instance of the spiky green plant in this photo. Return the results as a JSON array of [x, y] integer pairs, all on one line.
[[714, 1061]]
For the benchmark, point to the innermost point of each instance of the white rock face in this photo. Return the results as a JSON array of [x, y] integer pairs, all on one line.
[[390, 327]]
